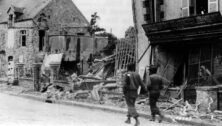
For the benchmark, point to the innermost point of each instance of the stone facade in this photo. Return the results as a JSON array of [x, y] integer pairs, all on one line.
[[26, 54], [59, 17], [62, 17], [143, 53], [3, 62]]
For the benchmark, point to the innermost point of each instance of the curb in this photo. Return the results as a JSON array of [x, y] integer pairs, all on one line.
[[167, 118]]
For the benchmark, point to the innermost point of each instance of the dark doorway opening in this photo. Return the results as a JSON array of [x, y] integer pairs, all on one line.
[[202, 6], [67, 68], [10, 58], [178, 79], [41, 39], [78, 49]]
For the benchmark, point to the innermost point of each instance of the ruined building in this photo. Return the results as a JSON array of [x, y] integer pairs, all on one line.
[[31, 29], [185, 37]]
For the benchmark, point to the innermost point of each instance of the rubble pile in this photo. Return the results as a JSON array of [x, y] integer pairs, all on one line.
[[190, 111], [99, 87], [182, 110], [81, 88]]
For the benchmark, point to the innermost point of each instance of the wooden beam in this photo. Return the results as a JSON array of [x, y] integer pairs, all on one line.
[[144, 53]]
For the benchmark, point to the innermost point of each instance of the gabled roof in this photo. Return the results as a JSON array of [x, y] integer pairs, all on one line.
[[77, 9], [31, 8], [16, 9]]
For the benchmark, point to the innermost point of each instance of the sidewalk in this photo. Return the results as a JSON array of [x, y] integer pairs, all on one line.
[[17, 91]]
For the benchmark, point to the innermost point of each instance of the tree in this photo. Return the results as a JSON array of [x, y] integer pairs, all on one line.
[[94, 28]]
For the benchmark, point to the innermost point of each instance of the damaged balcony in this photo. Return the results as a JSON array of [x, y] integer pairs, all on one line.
[[205, 26], [188, 53]]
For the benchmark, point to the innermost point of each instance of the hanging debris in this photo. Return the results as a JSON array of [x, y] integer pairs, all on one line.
[[125, 53]]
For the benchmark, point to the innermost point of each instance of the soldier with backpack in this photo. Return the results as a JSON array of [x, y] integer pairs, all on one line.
[[131, 84]]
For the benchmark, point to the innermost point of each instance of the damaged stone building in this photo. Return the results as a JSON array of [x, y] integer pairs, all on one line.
[[32, 29], [143, 49], [185, 37]]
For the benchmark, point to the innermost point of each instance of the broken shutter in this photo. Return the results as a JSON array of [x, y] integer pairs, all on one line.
[[185, 8], [212, 6]]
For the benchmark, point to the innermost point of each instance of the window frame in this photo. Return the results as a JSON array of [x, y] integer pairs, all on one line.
[[213, 2], [23, 38], [184, 7], [199, 62], [10, 20]]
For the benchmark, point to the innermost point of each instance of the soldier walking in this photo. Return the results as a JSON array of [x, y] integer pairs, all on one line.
[[155, 85], [131, 84]]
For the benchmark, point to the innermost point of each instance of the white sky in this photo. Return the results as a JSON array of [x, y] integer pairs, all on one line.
[[114, 14]]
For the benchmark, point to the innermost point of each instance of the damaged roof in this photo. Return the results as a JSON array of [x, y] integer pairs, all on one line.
[[31, 8]]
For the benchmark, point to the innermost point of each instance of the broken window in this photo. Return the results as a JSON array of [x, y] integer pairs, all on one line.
[[23, 37], [197, 7], [149, 17], [201, 6], [41, 39], [217, 62], [200, 66], [10, 20], [205, 65], [159, 11], [10, 58], [154, 10]]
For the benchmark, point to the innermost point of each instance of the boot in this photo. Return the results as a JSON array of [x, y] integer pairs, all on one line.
[[152, 118], [137, 122], [128, 121], [160, 118]]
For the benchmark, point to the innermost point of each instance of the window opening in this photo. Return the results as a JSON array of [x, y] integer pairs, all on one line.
[[41, 39], [23, 37]]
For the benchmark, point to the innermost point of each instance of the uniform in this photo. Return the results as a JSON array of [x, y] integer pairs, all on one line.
[[131, 83], [154, 88]]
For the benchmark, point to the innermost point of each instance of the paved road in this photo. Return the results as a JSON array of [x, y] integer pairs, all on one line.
[[16, 111]]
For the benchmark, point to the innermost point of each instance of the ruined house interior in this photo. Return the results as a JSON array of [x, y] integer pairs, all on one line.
[[190, 64]]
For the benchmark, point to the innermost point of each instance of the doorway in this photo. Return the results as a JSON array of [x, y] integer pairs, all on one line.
[[41, 39]]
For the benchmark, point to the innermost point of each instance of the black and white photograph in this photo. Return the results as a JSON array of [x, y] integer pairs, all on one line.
[[110, 62]]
